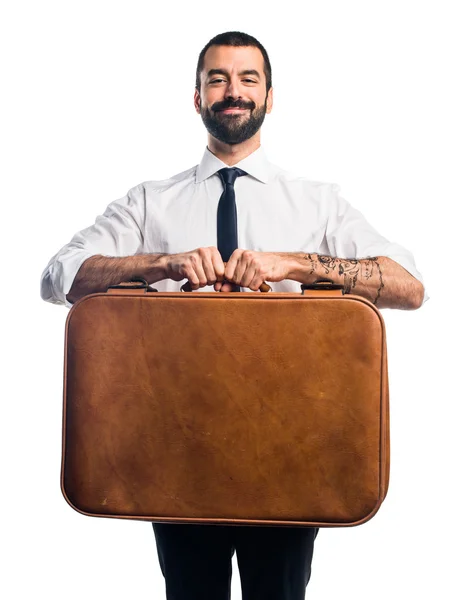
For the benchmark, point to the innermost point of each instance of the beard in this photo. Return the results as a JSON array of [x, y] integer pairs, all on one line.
[[233, 128]]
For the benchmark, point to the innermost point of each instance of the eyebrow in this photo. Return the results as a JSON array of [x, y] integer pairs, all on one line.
[[223, 72]]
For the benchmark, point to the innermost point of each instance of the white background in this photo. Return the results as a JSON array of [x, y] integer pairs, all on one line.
[[98, 97]]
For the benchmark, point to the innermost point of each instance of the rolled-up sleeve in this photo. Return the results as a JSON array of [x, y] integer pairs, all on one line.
[[350, 235], [117, 232]]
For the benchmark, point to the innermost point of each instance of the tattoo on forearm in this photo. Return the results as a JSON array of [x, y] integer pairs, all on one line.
[[381, 282], [350, 269]]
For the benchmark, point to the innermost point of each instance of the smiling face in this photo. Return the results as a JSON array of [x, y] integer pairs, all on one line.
[[232, 101]]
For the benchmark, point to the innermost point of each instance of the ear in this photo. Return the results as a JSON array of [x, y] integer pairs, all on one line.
[[197, 101], [269, 100]]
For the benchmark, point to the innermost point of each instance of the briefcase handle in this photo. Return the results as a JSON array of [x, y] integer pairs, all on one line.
[[319, 284]]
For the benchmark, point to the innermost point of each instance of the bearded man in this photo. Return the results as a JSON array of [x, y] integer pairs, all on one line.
[[234, 221]]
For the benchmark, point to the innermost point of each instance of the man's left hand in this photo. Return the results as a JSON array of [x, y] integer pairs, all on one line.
[[250, 269]]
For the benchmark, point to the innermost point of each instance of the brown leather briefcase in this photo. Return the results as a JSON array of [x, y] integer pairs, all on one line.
[[221, 408]]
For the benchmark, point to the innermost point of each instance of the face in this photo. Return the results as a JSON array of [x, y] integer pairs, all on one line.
[[232, 101]]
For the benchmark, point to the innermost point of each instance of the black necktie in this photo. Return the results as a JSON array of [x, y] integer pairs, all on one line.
[[227, 215]]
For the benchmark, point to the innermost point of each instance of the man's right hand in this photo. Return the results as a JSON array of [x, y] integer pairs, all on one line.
[[202, 266]]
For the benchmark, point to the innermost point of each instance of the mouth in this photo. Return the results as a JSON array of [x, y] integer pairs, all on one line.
[[227, 111]]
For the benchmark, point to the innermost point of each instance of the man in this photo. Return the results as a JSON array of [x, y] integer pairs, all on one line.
[[290, 231]]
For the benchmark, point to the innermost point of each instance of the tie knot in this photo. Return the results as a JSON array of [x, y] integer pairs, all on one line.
[[229, 175]]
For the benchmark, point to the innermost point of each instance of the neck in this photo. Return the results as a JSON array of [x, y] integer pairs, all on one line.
[[232, 154]]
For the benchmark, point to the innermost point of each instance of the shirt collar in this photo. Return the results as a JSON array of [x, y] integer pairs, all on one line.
[[256, 165]]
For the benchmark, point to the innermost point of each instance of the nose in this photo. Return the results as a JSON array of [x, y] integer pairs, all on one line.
[[233, 89]]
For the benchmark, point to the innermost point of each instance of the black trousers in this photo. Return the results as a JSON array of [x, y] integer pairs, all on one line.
[[274, 562]]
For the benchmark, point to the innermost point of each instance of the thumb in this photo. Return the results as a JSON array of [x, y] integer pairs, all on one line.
[[227, 287]]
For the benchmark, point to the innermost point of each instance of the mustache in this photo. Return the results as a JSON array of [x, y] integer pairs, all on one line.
[[238, 104]]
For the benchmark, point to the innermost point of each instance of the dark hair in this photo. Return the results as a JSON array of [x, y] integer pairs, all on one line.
[[235, 38]]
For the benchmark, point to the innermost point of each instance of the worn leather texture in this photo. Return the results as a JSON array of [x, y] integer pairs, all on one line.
[[246, 409]]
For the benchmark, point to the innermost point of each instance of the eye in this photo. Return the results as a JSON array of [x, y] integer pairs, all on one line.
[[246, 80]]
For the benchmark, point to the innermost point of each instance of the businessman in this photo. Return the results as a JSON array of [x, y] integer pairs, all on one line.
[[230, 223]]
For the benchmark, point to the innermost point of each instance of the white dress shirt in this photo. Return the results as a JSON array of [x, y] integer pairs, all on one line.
[[277, 211]]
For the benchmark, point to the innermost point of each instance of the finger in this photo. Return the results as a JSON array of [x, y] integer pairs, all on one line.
[[227, 287], [193, 279], [245, 268], [232, 264], [213, 265], [218, 264], [249, 275], [199, 264], [257, 279], [256, 283]]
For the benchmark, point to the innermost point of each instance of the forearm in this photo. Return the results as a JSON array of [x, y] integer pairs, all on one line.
[[99, 272], [380, 279]]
